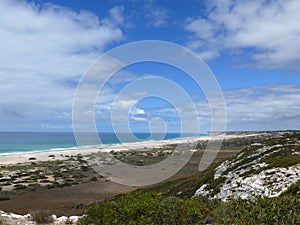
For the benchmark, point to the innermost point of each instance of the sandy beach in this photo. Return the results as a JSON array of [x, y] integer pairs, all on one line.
[[64, 154]]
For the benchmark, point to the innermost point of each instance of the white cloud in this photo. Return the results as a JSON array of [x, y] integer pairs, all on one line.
[[116, 14], [271, 29], [138, 115], [158, 16], [265, 107], [273, 106], [45, 49], [137, 111]]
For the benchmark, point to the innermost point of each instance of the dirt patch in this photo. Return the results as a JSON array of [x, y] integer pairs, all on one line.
[[63, 201]]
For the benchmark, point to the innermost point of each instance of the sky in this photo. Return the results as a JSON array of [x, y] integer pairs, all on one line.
[[252, 48]]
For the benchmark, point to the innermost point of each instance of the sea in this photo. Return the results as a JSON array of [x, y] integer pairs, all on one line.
[[26, 142]]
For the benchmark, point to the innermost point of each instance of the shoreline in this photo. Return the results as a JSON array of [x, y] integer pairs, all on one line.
[[75, 147], [50, 155], [44, 155]]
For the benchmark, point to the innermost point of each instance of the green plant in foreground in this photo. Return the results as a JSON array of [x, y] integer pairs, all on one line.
[[146, 208], [280, 210], [152, 208]]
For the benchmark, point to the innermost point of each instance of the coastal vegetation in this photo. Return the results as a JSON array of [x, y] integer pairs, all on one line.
[[42, 217], [47, 174], [255, 179], [150, 207], [181, 202]]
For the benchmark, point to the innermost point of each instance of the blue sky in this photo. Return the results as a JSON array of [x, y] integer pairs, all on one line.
[[252, 47]]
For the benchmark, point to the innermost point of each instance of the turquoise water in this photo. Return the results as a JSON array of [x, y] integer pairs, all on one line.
[[19, 142]]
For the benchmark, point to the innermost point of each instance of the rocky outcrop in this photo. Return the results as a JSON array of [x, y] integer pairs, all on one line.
[[263, 169], [268, 183]]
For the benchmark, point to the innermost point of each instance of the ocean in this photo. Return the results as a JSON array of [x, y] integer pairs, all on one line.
[[22, 142]]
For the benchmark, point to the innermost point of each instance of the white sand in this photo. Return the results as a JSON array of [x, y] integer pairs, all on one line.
[[61, 154]]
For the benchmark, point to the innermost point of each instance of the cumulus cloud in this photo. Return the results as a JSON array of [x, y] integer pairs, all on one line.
[[45, 49], [271, 29]]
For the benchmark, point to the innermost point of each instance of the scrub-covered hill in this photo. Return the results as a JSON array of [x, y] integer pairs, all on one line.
[[259, 185]]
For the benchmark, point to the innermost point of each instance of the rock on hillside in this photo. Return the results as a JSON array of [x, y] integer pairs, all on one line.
[[266, 168], [15, 219]]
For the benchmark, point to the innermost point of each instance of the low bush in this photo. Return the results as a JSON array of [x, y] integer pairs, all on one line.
[[149, 207], [4, 198], [146, 208], [42, 217], [69, 221], [281, 210], [294, 189], [94, 179]]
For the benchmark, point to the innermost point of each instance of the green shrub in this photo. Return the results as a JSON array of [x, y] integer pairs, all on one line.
[[283, 161], [94, 179], [42, 217], [281, 210], [152, 208], [69, 221], [294, 189], [4, 198], [33, 186], [19, 186], [146, 208], [64, 185]]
